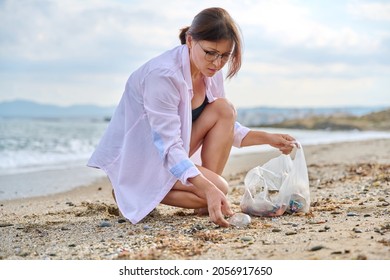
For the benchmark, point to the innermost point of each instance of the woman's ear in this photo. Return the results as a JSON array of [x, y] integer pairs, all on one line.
[[189, 41]]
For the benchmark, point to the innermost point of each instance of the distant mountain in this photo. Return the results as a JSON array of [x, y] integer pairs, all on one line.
[[252, 117], [30, 109]]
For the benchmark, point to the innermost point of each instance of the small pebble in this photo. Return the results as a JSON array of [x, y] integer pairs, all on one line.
[[336, 253], [198, 227], [316, 248], [105, 224], [276, 230], [356, 230], [24, 254], [6, 225], [146, 227], [121, 221], [352, 214], [291, 232], [361, 257], [247, 238]]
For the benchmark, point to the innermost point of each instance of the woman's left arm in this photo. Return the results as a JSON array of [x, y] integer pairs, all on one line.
[[284, 142]]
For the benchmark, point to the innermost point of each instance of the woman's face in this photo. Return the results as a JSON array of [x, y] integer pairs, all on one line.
[[209, 57]]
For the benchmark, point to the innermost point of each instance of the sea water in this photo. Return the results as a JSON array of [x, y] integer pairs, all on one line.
[[46, 156], [41, 144]]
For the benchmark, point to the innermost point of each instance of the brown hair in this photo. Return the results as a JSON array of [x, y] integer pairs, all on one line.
[[214, 24]]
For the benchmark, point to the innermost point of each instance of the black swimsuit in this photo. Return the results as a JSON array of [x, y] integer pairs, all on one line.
[[197, 111]]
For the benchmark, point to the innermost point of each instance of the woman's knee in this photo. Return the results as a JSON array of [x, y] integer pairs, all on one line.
[[225, 109], [216, 179], [222, 184]]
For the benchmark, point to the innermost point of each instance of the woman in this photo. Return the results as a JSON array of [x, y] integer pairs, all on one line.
[[173, 106]]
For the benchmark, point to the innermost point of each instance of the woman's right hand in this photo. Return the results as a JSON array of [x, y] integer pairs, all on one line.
[[217, 204], [218, 207]]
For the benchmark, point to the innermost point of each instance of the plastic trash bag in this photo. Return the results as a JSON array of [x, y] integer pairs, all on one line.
[[280, 185]]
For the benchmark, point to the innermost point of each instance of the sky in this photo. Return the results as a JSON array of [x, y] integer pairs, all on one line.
[[297, 53]]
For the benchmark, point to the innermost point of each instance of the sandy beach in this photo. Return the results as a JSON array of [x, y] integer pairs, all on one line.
[[348, 218]]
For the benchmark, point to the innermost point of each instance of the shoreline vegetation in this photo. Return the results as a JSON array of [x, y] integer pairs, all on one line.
[[379, 121]]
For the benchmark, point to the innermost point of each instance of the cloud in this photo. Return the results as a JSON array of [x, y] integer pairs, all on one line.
[[291, 25], [74, 51], [378, 11], [58, 30], [88, 30]]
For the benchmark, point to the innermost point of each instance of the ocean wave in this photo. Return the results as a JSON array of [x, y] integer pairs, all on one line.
[[45, 144]]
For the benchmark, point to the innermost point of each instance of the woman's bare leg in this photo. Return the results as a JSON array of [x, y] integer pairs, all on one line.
[[189, 196], [214, 131]]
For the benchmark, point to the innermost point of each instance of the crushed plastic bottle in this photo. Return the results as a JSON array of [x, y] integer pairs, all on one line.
[[296, 204], [240, 220]]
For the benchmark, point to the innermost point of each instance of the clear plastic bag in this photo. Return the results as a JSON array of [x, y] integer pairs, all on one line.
[[280, 185]]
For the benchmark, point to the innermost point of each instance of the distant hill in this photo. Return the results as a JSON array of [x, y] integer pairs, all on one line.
[[362, 118], [29, 109], [372, 121]]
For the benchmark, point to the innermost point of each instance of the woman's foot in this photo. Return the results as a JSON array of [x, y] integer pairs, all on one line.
[[201, 211]]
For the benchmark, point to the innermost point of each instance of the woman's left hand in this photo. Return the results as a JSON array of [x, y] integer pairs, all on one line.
[[284, 142]]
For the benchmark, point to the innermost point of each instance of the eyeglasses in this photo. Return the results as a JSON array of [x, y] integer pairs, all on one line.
[[212, 56]]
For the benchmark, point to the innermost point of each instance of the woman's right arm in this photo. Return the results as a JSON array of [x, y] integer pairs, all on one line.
[[161, 103]]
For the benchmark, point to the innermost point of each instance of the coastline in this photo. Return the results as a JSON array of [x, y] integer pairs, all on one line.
[[350, 196]]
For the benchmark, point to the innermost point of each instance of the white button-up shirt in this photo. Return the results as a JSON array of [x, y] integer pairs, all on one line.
[[145, 148]]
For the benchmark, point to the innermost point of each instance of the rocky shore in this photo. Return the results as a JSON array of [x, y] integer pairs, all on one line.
[[379, 121]]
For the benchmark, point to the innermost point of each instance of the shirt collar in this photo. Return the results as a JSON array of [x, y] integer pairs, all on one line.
[[186, 67]]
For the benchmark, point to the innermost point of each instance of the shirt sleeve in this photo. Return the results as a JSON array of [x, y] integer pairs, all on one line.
[[240, 132], [161, 103]]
